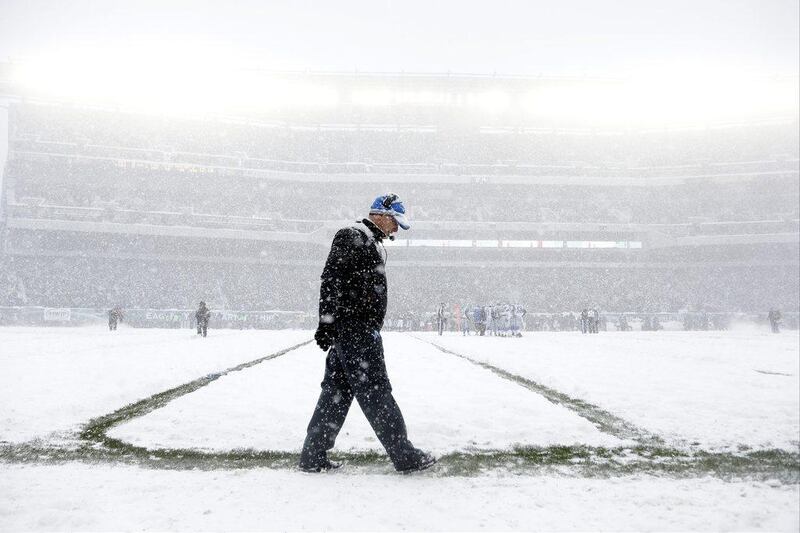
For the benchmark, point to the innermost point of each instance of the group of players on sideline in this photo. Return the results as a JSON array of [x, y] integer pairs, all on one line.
[[510, 320], [499, 320]]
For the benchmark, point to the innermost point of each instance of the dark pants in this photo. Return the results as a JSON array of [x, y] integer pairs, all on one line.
[[202, 329], [355, 368]]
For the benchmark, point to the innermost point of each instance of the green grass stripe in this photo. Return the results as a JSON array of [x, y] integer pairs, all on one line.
[[779, 466]]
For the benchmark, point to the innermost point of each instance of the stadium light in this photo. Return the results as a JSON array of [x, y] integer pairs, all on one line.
[[163, 80], [717, 98], [586, 103], [422, 97], [294, 94], [196, 78], [148, 77], [372, 97], [492, 101], [653, 101]]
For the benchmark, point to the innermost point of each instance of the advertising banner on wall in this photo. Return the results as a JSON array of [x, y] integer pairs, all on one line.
[[57, 314], [152, 318], [51, 316]]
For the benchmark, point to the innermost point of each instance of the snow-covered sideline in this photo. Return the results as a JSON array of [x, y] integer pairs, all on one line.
[[448, 403], [54, 379], [102, 498], [719, 389]]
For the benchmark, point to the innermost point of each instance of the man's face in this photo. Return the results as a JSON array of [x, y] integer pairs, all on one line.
[[386, 223], [391, 224]]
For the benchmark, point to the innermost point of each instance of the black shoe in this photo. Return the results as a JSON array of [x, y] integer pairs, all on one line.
[[321, 467], [424, 462]]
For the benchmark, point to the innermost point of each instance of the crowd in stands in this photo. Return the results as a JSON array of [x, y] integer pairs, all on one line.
[[104, 282], [140, 194], [121, 162], [350, 149], [69, 163], [615, 289]]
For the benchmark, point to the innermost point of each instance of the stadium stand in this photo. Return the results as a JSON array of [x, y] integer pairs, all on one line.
[[104, 207]]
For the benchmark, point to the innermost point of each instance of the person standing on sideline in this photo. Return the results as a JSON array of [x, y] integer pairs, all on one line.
[[491, 324], [352, 307], [440, 318], [202, 316], [594, 320], [519, 313], [114, 317], [585, 321], [479, 319], [774, 317], [465, 319]]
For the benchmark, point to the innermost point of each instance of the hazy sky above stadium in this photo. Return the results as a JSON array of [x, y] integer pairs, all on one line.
[[565, 37]]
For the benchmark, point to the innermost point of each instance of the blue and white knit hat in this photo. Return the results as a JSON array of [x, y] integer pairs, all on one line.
[[390, 204]]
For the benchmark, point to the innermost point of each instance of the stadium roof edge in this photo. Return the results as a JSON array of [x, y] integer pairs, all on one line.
[[436, 75], [16, 98], [7, 64]]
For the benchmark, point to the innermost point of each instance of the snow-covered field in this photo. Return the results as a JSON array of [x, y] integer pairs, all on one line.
[[718, 389], [54, 379], [449, 405], [722, 391]]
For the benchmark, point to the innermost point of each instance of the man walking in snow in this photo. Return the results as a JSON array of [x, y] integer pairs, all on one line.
[[352, 306]]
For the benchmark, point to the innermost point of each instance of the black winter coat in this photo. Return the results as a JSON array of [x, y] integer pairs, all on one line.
[[353, 289], [202, 316]]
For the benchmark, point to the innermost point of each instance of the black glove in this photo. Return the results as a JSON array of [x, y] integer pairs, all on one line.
[[324, 336]]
